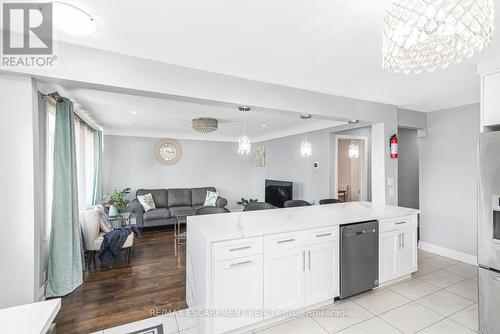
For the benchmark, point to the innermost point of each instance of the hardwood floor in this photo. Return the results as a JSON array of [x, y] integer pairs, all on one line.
[[153, 283]]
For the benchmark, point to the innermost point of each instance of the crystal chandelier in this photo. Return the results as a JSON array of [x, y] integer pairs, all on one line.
[[423, 35], [244, 144], [306, 148], [353, 150]]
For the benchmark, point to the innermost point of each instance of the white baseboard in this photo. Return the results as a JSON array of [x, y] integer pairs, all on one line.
[[447, 252]]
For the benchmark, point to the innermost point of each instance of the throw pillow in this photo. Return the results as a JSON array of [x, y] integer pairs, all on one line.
[[211, 199], [147, 202]]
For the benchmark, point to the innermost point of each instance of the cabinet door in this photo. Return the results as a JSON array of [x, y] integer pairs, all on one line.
[[322, 282], [284, 280], [389, 249], [238, 286], [408, 260]]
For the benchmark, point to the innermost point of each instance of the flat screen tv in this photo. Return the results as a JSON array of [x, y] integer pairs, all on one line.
[[277, 192]]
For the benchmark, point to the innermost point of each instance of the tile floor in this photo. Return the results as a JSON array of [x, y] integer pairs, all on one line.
[[441, 298]]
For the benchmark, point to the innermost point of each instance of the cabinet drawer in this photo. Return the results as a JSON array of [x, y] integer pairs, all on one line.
[[323, 235], [275, 242], [226, 250], [397, 223]]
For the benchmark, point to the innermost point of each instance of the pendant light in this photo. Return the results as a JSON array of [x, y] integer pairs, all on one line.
[[306, 146], [244, 144], [353, 150]]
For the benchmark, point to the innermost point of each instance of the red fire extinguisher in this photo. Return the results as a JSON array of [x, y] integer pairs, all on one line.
[[394, 146]]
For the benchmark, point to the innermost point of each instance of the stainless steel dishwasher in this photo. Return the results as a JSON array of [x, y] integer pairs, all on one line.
[[358, 258]]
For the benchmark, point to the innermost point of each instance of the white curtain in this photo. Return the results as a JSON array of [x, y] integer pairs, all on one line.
[[85, 164]]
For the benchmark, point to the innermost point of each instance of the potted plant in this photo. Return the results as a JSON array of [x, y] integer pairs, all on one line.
[[117, 202], [245, 201]]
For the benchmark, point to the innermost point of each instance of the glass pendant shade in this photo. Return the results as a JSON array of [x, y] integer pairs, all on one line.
[[244, 145], [306, 148], [353, 150], [423, 35]]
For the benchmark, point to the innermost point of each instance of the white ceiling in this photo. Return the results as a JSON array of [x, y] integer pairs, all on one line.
[[328, 46], [131, 115]]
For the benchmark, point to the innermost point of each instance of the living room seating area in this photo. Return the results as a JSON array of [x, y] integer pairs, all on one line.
[[172, 205]]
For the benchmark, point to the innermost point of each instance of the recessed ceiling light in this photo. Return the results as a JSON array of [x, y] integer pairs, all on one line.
[[73, 20], [133, 112], [264, 125], [353, 121]]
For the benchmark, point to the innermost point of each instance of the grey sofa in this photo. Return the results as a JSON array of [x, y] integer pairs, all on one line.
[[171, 205]]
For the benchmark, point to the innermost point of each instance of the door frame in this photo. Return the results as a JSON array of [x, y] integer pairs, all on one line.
[[363, 196]]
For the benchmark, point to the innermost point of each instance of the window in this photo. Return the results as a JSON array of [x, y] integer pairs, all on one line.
[[49, 177], [84, 140]]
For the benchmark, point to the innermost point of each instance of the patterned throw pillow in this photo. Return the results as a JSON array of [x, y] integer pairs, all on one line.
[[211, 199], [147, 202]]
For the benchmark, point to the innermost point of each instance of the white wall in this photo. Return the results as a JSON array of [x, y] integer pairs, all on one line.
[[284, 162], [448, 179], [130, 162], [18, 235], [408, 193]]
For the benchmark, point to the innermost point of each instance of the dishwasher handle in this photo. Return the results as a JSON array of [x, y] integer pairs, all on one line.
[[360, 233]]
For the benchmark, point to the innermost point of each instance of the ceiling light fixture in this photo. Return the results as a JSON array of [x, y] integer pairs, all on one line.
[[423, 35], [306, 146], [353, 121], [205, 125], [244, 144], [133, 112], [73, 20]]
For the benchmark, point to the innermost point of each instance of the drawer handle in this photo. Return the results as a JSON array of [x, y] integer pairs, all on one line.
[[240, 263], [400, 223], [239, 248], [284, 241], [323, 235]]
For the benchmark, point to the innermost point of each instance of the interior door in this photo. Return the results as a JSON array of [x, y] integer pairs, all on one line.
[[408, 251], [322, 270], [238, 286], [284, 280], [389, 244]]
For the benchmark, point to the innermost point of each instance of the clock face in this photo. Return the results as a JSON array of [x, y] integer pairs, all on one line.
[[168, 151]]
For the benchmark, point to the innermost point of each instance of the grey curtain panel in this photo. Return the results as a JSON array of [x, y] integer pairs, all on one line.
[[65, 254], [97, 184]]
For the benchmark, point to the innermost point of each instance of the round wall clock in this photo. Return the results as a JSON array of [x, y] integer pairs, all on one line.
[[168, 151]]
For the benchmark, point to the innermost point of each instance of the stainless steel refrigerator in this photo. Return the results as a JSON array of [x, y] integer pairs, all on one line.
[[489, 233]]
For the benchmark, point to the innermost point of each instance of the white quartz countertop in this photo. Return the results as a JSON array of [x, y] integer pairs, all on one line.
[[237, 225], [32, 318]]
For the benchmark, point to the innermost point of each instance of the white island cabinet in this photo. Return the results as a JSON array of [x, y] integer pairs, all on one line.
[[248, 269]]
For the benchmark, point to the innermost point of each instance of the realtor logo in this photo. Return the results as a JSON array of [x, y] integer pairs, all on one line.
[[27, 36]]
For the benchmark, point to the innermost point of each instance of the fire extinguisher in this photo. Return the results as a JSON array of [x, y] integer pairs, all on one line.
[[394, 146]]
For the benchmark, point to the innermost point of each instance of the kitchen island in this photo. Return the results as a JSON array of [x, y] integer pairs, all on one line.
[[248, 269]]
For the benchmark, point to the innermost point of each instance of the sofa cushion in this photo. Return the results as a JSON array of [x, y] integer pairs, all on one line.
[[196, 207], [179, 197], [156, 214], [177, 211], [159, 196], [198, 195]]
